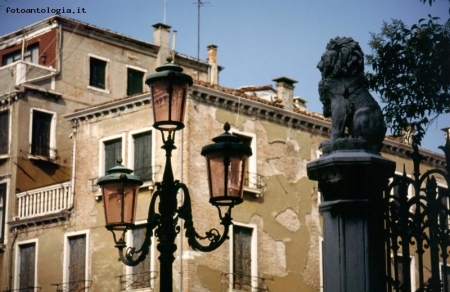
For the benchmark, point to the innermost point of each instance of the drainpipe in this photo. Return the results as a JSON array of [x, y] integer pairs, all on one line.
[[73, 136], [11, 259]]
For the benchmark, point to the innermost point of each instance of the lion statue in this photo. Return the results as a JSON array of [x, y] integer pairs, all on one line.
[[347, 101]]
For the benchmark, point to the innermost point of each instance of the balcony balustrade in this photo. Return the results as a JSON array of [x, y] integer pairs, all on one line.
[[138, 281], [237, 282], [21, 72], [76, 286], [44, 201]]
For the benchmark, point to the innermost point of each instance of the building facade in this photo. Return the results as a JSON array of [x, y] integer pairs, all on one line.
[[49, 69], [89, 101]]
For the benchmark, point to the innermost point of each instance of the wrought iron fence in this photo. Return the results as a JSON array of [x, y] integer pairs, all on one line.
[[76, 286], [27, 289], [254, 180], [417, 220], [240, 282], [137, 281]]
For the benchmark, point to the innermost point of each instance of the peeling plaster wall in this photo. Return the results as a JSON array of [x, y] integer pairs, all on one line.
[[286, 216]]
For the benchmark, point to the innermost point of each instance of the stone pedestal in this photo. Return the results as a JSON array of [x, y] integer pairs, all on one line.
[[352, 184]]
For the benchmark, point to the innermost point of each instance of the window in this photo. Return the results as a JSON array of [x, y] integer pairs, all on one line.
[[2, 212], [26, 272], [445, 276], [253, 182], [135, 81], [43, 128], [31, 55], [4, 132], [111, 149], [397, 261], [140, 276], [113, 153], [143, 155], [75, 262], [444, 194], [97, 73], [243, 264]]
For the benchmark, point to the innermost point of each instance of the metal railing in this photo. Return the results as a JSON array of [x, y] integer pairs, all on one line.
[[240, 282], [417, 231], [254, 181], [44, 201], [137, 281], [76, 286], [27, 289]]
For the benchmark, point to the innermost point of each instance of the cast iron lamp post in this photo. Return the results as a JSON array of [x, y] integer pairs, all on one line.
[[225, 158]]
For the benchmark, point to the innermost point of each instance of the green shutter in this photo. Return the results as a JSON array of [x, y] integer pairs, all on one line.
[[135, 82], [143, 155]]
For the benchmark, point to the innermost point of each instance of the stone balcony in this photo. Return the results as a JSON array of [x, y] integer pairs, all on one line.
[[43, 205], [21, 72]]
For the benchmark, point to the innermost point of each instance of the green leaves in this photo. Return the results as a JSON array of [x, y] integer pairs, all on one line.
[[411, 73]]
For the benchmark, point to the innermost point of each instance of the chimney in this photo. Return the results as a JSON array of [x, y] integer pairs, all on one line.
[[285, 91], [213, 67], [161, 38]]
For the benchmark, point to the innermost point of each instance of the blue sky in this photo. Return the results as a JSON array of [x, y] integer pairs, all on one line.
[[258, 40]]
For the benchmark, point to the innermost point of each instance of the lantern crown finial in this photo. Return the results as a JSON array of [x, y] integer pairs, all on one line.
[[226, 127]]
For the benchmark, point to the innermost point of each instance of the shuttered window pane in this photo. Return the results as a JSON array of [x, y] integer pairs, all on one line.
[[40, 142], [135, 82], [77, 262], [242, 238], [4, 132], [143, 155], [2, 212], [113, 151], [97, 73], [27, 265]]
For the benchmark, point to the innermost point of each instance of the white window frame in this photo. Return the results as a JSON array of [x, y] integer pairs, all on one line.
[[101, 154], [150, 256], [131, 151], [66, 255], [412, 270], [17, 261], [106, 90], [138, 69], [443, 186], [441, 264], [52, 131], [5, 210], [254, 253], [9, 133], [252, 159]]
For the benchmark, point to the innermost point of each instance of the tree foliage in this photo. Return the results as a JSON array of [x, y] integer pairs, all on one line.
[[411, 73], [429, 1]]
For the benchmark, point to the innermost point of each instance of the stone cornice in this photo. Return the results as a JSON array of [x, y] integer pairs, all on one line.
[[112, 107], [263, 111], [302, 120]]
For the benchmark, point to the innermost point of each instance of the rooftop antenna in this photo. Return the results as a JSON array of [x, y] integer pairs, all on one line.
[[165, 11], [199, 3]]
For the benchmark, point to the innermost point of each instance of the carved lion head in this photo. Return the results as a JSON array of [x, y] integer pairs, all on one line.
[[342, 59]]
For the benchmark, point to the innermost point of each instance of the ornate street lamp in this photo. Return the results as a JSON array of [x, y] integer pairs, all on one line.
[[226, 159]]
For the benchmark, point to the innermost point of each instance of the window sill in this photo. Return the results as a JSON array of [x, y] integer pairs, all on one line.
[[41, 158], [139, 290], [150, 185], [257, 193], [98, 89]]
